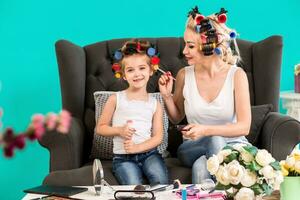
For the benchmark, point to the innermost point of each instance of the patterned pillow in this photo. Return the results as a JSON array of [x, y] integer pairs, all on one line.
[[103, 146]]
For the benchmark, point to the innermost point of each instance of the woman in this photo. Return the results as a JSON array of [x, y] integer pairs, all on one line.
[[212, 92]]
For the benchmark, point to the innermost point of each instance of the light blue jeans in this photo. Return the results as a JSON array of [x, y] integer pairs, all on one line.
[[194, 153], [129, 169]]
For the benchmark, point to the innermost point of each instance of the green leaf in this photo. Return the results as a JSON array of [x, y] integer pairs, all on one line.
[[220, 186], [254, 166], [248, 166], [238, 186], [257, 189], [231, 157], [267, 189], [276, 165], [251, 149]]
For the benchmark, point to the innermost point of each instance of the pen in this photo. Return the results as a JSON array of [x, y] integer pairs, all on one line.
[[217, 194], [190, 186], [211, 191]]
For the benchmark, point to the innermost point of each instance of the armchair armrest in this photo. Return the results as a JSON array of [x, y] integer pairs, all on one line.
[[66, 150], [279, 135]]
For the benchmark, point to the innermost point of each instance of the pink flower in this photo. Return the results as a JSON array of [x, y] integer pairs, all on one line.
[[9, 151], [39, 131], [51, 120], [38, 126], [31, 136], [36, 129], [64, 122], [37, 119], [8, 135], [20, 141]]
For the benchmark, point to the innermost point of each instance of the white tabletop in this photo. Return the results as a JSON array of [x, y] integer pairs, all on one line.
[[108, 194]]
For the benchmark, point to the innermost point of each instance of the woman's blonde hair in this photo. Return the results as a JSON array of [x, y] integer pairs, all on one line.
[[230, 52]]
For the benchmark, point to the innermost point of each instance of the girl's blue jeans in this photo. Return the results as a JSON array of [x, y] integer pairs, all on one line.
[[129, 169]]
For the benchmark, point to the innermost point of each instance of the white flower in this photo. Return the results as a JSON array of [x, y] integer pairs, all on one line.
[[223, 154], [249, 178], [213, 164], [235, 172], [263, 157], [267, 171], [246, 156], [278, 180], [290, 161], [245, 194], [222, 176], [238, 146], [297, 166]]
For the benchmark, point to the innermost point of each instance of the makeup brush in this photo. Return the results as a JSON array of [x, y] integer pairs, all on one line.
[[176, 184], [156, 68]]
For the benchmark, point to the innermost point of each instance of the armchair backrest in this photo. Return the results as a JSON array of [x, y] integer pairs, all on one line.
[[84, 70]]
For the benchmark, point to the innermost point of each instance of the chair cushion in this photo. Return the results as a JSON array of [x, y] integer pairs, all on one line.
[[103, 146], [259, 114]]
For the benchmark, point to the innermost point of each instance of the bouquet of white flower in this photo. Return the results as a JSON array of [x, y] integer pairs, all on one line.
[[245, 172]]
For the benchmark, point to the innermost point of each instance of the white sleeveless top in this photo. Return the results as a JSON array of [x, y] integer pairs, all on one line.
[[218, 112], [140, 112]]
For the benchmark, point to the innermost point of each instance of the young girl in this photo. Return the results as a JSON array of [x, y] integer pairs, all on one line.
[[134, 118]]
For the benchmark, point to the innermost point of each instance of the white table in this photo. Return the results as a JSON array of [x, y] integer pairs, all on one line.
[[108, 194], [291, 102]]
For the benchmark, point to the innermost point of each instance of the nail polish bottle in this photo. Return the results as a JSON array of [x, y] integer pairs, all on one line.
[[183, 194]]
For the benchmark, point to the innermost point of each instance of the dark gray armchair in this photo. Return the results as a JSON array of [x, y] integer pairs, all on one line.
[[84, 70]]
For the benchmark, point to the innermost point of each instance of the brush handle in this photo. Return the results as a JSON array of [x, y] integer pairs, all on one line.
[[162, 71]]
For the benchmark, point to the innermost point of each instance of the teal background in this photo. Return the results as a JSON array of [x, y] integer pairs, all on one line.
[[28, 68]]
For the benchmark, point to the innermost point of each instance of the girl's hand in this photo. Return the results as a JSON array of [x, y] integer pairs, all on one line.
[[127, 131], [130, 147], [165, 83], [194, 131]]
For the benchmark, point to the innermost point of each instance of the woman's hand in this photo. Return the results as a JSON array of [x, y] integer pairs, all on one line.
[[194, 131], [165, 83], [127, 131], [130, 147]]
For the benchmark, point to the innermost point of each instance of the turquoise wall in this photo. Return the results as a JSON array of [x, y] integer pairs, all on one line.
[[28, 69]]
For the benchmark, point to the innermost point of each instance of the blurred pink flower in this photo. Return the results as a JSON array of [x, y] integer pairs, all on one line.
[[37, 119], [9, 150], [38, 126], [51, 120], [64, 122], [36, 129], [20, 141]]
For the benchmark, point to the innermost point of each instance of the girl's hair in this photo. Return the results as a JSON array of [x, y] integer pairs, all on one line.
[[134, 47], [230, 52]]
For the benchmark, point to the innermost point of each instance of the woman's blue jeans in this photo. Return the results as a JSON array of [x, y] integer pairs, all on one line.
[[129, 169], [194, 153]]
